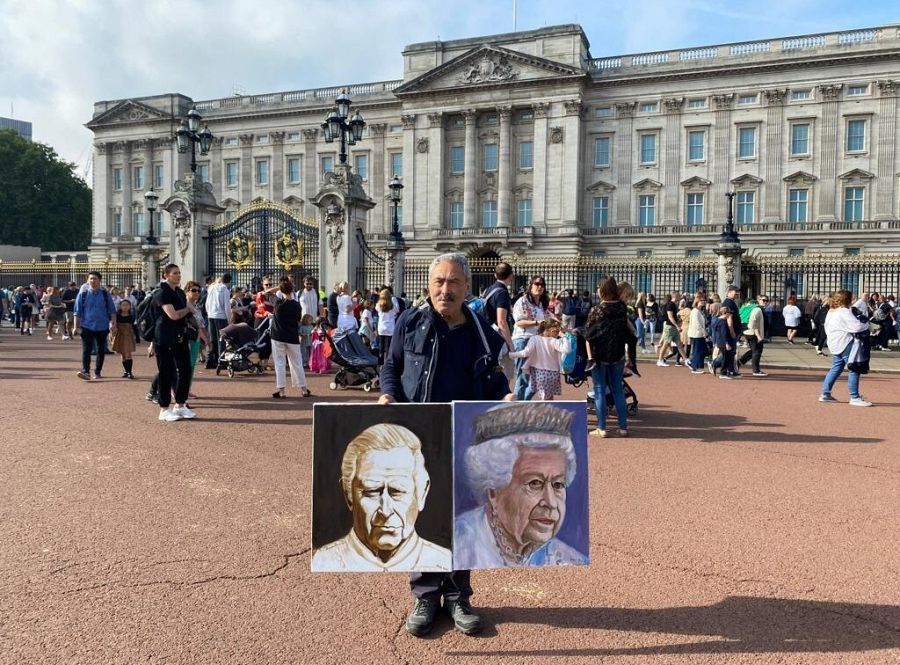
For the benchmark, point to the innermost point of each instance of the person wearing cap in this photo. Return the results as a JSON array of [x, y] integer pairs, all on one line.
[[440, 352], [519, 466], [732, 293]]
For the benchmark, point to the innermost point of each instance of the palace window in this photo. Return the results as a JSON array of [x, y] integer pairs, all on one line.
[[523, 213], [799, 139], [526, 155], [293, 169], [697, 103], [158, 176], [854, 198], [203, 172], [327, 164], [489, 215], [263, 138], [743, 100], [747, 143], [137, 177], [117, 180], [361, 166], [647, 209], [856, 136], [600, 212], [601, 151], [397, 164], [457, 159], [648, 107], [648, 148], [456, 215], [696, 146], [293, 136], [694, 209], [117, 224], [797, 204], [231, 140], [603, 112], [800, 95], [262, 172], [857, 90], [137, 221], [745, 201], [231, 174], [490, 156]]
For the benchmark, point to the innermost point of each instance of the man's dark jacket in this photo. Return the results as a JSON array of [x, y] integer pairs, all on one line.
[[408, 371]]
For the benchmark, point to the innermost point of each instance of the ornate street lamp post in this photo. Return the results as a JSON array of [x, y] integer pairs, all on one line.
[[729, 234], [337, 126], [189, 135], [151, 199], [729, 251], [396, 196]]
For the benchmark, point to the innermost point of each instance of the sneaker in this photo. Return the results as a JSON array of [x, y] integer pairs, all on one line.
[[185, 412], [465, 620], [96, 377], [662, 363], [152, 396], [826, 398], [50, 337], [84, 375], [124, 375], [710, 367], [30, 334], [760, 374], [169, 415], [602, 433], [859, 401], [66, 338], [697, 371], [819, 353], [623, 433], [726, 376], [421, 617]]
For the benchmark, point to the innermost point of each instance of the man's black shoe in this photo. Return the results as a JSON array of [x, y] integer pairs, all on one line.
[[465, 620], [421, 617]]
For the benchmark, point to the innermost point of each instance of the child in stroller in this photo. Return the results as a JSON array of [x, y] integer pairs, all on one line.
[[358, 365], [578, 374], [239, 341]]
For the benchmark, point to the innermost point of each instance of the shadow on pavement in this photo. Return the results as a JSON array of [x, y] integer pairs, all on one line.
[[738, 624], [724, 428]]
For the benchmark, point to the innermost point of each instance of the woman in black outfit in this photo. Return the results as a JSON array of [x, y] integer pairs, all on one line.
[[170, 345]]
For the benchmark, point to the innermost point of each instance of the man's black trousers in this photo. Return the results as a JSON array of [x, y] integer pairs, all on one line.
[[431, 586]]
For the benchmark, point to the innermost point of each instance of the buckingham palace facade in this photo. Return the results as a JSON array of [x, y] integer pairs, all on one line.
[[527, 144]]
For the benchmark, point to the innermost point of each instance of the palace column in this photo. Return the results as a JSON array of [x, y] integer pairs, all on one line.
[[831, 148], [721, 165], [469, 197], [504, 192], [216, 177], [102, 220], [127, 192], [377, 180], [774, 150], [435, 170], [672, 157], [411, 169], [887, 150], [310, 169], [276, 182], [246, 168], [539, 193], [624, 159]]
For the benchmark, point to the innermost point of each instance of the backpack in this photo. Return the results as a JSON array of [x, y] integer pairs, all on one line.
[[571, 306], [146, 317], [745, 312], [568, 360], [880, 313], [476, 305]]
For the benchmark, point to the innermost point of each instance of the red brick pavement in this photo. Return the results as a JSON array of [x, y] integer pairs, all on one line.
[[742, 522]]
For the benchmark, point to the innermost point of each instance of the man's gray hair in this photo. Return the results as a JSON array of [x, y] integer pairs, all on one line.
[[383, 436], [458, 259], [501, 431]]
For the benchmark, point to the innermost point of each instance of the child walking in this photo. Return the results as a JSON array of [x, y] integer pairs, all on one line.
[[318, 363], [306, 329], [726, 344], [125, 336], [543, 356]]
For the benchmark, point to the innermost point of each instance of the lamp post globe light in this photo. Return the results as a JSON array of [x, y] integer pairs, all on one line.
[[188, 135], [339, 125], [396, 188], [151, 200]]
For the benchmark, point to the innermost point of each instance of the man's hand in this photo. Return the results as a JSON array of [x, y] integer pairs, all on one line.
[[509, 397], [385, 399], [150, 351]]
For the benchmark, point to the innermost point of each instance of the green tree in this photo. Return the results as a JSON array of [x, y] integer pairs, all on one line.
[[42, 201]]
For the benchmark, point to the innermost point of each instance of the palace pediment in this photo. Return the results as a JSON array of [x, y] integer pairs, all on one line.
[[600, 186], [856, 175], [800, 178], [128, 111], [746, 180], [647, 185], [695, 182], [489, 66]]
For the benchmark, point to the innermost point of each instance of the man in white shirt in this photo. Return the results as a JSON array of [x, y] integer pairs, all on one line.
[[218, 312], [309, 299]]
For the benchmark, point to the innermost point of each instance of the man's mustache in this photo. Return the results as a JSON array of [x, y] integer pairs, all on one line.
[[446, 297]]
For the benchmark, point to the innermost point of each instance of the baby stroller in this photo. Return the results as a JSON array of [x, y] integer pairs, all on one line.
[[631, 400], [239, 342], [358, 366]]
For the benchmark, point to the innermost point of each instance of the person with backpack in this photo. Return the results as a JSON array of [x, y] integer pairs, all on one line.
[[495, 304], [528, 312], [95, 314], [755, 334], [608, 334], [569, 310]]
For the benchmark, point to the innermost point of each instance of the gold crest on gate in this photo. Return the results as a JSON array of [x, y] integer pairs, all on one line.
[[239, 251], [289, 251]]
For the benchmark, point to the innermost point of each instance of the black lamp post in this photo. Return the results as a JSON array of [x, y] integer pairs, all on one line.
[[396, 196], [337, 125], [189, 135], [729, 234], [151, 199]]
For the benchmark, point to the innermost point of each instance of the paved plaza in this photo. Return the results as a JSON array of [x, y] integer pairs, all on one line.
[[743, 522]]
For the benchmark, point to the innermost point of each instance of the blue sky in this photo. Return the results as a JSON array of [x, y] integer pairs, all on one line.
[[59, 56]]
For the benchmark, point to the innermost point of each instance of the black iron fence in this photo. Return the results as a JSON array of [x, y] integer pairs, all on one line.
[[370, 268], [59, 273]]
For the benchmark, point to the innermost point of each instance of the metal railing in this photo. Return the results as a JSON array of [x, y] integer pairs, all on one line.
[[60, 273], [313, 96]]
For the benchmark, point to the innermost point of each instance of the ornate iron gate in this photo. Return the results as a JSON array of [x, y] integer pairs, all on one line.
[[264, 238], [370, 268]]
